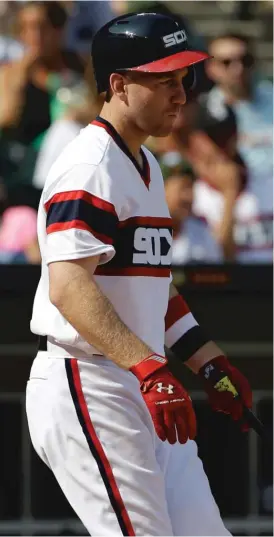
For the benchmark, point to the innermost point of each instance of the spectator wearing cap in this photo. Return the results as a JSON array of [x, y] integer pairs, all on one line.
[[240, 97], [193, 241], [28, 86], [84, 21]]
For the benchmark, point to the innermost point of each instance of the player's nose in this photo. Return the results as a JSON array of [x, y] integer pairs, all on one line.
[[180, 95]]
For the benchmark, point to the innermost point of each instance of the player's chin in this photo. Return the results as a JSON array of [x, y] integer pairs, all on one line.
[[165, 128]]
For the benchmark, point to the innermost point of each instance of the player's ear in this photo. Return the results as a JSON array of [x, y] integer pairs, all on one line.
[[117, 85]]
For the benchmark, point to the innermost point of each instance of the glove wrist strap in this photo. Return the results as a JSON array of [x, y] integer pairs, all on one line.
[[211, 370], [144, 369]]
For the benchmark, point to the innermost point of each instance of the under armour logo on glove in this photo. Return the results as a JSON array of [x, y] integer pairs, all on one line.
[[169, 388], [173, 415]]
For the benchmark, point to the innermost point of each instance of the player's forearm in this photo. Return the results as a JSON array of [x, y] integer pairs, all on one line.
[[88, 310], [203, 355]]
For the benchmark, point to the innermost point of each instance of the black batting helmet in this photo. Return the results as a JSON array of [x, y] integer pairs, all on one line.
[[147, 42]]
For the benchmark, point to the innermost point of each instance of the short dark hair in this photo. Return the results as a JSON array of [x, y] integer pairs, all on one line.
[[218, 129], [231, 35], [182, 169], [55, 12]]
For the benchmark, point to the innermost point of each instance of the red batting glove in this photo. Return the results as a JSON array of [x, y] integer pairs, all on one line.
[[168, 402], [227, 388]]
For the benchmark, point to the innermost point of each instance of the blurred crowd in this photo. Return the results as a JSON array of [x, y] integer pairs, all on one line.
[[217, 163]]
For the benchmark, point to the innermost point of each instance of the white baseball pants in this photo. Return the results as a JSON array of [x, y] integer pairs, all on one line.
[[88, 422]]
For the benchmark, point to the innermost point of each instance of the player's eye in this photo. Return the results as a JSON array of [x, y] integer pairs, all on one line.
[[170, 82]]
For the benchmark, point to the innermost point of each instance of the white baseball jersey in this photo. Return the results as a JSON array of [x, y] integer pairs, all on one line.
[[253, 231], [87, 418], [97, 200], [195, 243]]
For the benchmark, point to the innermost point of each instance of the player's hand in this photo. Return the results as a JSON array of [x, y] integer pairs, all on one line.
[[168, 402], [227, 388]]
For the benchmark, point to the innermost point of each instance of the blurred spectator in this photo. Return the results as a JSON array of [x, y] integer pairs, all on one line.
[[209, 162], [240, 93], [251, 99], [86, 17], [79, 109], [18, 239], [119, 7], [193, 241], [7, 10], [10, 49], [28, 86], [239, 9], [18, 228]]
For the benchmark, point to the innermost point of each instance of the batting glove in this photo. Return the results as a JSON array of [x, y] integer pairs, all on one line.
[[227, 388], [168, 402]]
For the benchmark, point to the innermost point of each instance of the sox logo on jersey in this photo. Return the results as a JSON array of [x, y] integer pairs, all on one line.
[[153, 246]]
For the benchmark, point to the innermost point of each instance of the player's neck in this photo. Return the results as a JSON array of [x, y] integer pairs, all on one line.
[[132, 137]]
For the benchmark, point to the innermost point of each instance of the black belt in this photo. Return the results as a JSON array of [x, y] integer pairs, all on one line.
[[42, 343]]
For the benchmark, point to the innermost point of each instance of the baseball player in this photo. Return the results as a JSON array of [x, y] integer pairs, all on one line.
[[105, 413]]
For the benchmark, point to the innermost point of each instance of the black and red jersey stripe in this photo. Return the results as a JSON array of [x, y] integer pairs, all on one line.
[[124, 264], [192, 340], [146, 221], [81, 210], [177, 308], [136, 270]]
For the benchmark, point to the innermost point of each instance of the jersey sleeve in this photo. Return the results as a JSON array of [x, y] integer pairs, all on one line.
[[81, 209], [183, 335]]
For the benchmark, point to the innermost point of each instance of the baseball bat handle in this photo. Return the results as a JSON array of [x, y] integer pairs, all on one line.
[[254, 422], [248, 415]]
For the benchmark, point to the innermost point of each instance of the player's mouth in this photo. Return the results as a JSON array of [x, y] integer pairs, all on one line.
[[174, 113]]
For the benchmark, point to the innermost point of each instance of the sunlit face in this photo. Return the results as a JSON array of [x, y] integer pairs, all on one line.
[[154, 100], [232, 64], [179, 196], [36, 31]]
